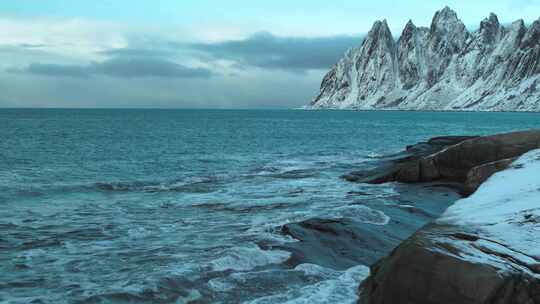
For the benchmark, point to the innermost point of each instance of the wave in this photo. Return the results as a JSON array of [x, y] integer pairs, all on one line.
[[190, 185], [362, 214], [336, 287], [248, 258]]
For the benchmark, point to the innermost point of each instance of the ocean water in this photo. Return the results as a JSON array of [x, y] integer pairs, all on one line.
[[188, 206]]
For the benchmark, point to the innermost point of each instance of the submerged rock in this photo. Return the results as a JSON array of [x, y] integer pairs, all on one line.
[[367, 230]]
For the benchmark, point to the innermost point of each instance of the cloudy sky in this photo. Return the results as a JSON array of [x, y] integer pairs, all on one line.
[[195, 53]]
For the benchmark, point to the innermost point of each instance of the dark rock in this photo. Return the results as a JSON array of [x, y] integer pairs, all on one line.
[[451, 159], [341, 243], [403, 166], [432, 268], [337, 243], [455, 162]]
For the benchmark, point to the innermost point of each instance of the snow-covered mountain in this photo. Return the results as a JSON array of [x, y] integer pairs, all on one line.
[[444, 67]]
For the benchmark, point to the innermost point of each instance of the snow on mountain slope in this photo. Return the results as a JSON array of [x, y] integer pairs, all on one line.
[[444, 67]]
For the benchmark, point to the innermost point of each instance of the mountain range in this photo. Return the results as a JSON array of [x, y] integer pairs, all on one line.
[[444, 67]]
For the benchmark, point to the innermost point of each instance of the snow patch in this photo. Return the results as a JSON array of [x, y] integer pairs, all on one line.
[[505, 211]]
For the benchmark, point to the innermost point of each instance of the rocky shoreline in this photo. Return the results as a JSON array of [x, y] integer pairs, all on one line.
[[485, 248], [465, 160]]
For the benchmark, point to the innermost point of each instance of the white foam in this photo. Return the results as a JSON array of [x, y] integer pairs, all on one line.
[[341, 289], [192, 296], [221, 284], [138, 233], [317, 271], [247, 258], [363, 214]]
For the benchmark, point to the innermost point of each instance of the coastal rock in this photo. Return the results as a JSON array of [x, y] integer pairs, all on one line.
[[454, 162], [432, 268], [366, 230], [443, 67], [483, 250], [404, 166]]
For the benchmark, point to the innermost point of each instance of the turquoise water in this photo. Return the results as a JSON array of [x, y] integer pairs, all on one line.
[[173, 206]]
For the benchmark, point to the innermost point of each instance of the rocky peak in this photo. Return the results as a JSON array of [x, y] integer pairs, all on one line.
[[410, 46], [408, 36], [514, 34], [378, 43], [518, 26], [447, 33], [532, 36], [445, 20], [380, 32], [492, 20], [408, 31], [490, 29]]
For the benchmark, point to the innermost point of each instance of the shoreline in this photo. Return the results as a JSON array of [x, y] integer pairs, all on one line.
[[457, 258], [417, 110]]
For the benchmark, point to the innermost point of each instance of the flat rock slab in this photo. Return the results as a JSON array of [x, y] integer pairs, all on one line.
[[341, 243]]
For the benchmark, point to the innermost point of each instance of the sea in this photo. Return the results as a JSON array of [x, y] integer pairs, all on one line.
[[208, 206]]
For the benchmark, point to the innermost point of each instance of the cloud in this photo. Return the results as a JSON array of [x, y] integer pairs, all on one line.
[[265, 89], [57, 70], [138, 52], [265, 50], [149, 67], [118, 67]]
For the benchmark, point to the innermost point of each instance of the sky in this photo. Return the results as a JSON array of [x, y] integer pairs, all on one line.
[[196, 53]]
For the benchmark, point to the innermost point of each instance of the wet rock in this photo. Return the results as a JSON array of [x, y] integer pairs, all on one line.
[[345, 242], [338, 243], [404, 166]]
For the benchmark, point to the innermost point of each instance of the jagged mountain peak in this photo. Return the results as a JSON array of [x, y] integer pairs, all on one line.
[[409, 27], [448, 11], [408, 33], [490, 30], [518, 25], [491, 21], [445, 18], [380, 28], [443, 67], [532, 37], [378, 37], [448, 33]]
